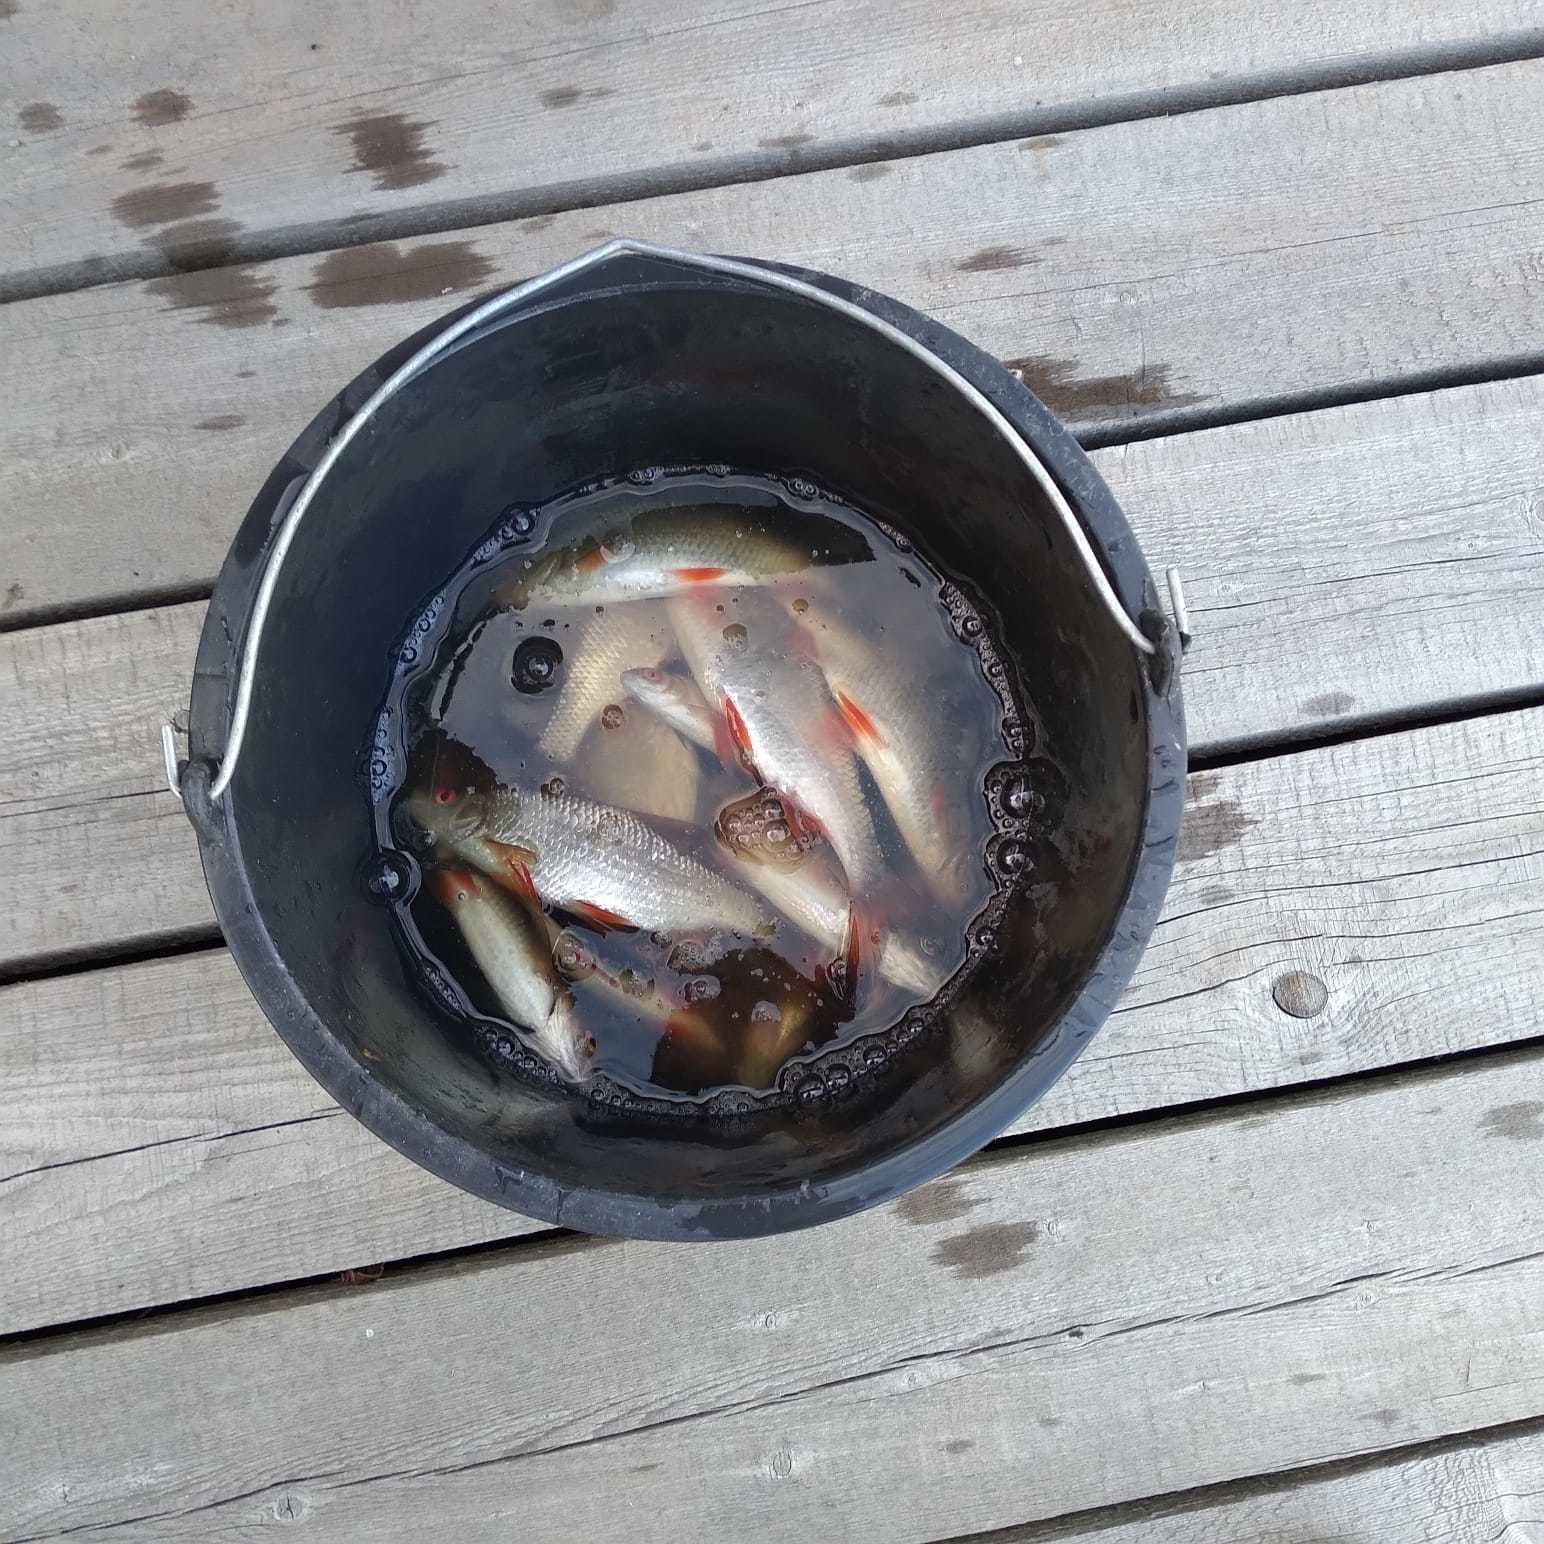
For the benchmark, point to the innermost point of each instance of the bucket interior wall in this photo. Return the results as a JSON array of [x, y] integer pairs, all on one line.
[[680, 374]]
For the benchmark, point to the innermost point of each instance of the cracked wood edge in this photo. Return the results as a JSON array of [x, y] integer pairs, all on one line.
[[131, 146], [178, 1150], [1097, 263], [1331, 1275], [1344, 567]]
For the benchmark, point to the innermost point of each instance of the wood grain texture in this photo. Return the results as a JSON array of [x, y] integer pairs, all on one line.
[[1251, 1290], [1346, 566], [157, 1141], [1142, 276], [134, 135], [1485, 1490]]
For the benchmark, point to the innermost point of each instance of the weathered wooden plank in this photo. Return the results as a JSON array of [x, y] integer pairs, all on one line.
[[1483, 1490], [136, 134], [157, 1141], [1344, 566], [1143, 275], [1251, 1290]]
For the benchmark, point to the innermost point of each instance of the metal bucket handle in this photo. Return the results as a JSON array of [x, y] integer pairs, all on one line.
[[506, 299]]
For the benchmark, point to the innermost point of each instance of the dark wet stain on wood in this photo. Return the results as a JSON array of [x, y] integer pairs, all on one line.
[[14, 594], [156, 108], [1302, 1379], [1215, 895], [987, 1250], [245, 375], [384, 274], [1058, 383], [1385, 1417], [224, 297], [163, 202], [8, 8], [1043, 142], [221, 421], [100, 150], [1210, 828], [786, 141], [1308, 1058], [391, 148], [1330, 703], [145, 161], [566, 96], [945, 1200], [198, 243], [997, 260], [537, 222], [40, 117], [871, 173], [1300, 993], [1050, 1422], [959, 1445], [1519, 1122], [898, 99], [1201, 785], [703, 146]]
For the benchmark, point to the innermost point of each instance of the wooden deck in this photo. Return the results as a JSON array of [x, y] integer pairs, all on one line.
[[1268, 1265]]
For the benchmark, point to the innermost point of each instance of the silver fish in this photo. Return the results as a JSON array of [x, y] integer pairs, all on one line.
[[813, 897], [639, 764], [750, 661], [594, 860], [592, 671], [661, 551], [916, 767], [676, 700], [516, 959]]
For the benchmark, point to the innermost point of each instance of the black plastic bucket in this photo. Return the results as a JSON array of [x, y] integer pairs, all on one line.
[[629, 357]]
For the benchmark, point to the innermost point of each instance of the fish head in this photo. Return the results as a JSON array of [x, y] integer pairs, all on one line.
[[655, 688], [444, 813]]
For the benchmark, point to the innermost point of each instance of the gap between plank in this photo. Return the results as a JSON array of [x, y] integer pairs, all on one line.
[[162, 1318], [1163, 425], [1181, 1503], [763, 166]]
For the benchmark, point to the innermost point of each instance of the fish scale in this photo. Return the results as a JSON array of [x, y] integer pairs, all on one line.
[[624, 635]]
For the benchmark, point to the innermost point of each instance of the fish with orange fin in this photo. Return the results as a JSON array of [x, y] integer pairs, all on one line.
[[600, 864], [756, 666], [514, 957], [922, 774], [661, 550], [812, 896]]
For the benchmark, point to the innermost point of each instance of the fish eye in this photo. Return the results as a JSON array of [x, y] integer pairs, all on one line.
[[445, 795]]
